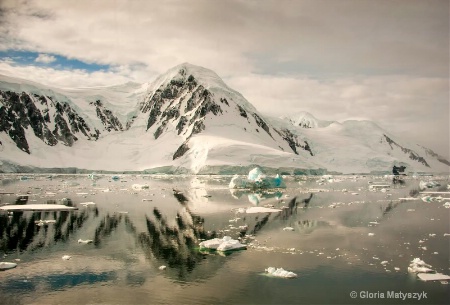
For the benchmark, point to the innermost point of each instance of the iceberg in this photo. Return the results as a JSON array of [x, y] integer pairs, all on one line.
[[231, 245], [256, 174], [256, 179], [222, 244], [419, 266], [280, 272]]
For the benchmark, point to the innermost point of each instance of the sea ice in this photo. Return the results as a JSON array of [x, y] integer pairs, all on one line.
[[280, 272], [85, 241]]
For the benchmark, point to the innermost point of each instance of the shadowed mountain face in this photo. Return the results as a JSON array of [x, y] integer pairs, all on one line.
[[50, 120]]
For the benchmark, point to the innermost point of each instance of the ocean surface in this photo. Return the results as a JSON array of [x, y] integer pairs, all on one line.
[[348, 242]]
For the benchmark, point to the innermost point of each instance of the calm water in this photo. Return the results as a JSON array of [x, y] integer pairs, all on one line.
[[136, 232]]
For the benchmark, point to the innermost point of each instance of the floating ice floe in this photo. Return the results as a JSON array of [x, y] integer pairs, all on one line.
[[424, 271], [41, 222], [433, 277], [222, 244], [139, 187], [7, 265], [288, 229], [85, 241], [66, 257], [447, 205], [371, 234], [37, 207], [427, 184], [280, 272], [408, 198], [256, 180], [255, 210]]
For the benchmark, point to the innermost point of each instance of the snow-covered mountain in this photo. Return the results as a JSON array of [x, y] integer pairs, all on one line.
[[187, 120], [306, 120]]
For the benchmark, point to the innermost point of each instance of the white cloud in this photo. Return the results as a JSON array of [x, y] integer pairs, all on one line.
[[70, 78], [337, 59], [46, 59]]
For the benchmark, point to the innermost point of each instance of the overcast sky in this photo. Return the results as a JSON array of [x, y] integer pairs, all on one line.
[[383, 60]]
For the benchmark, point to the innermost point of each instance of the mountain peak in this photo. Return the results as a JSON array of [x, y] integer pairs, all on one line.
[[206, 77], [306, 120]]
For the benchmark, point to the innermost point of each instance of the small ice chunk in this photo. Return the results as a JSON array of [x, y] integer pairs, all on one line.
[[447, 205], [87, 203], [7, 265], [139, 187], [396, 268], [162, 267], [66, 257], [371, 234], [85, 241], [280, 272], [288, 229], [384, 262]]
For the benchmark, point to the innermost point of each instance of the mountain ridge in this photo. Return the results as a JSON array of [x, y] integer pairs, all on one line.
[[187, 120]]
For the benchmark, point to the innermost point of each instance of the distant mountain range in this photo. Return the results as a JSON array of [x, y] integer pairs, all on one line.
[[186, 121]]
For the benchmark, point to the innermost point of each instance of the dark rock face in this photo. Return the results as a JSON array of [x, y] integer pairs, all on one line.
[[411, 154], [435, 155], [293, 141], [21, 111], [242, 112], [109, 120], [165, 105], [260, 122], [181, 151]]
